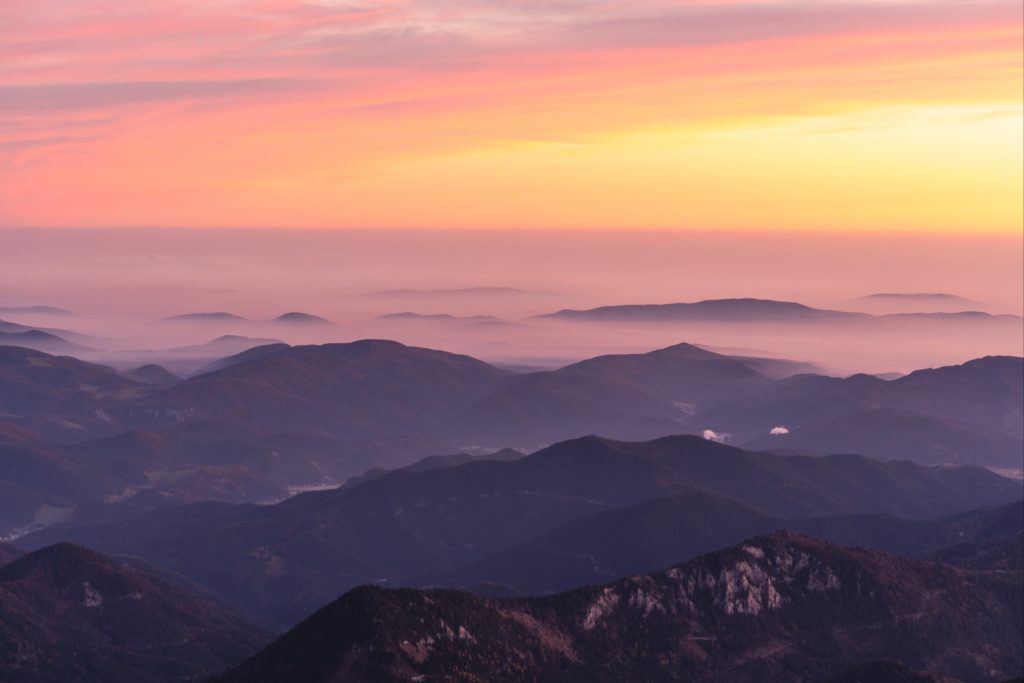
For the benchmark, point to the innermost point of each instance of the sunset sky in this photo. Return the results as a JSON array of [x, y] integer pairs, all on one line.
[[795, 114]]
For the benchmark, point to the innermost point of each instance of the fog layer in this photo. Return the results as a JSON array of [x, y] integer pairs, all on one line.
[[478, 292]]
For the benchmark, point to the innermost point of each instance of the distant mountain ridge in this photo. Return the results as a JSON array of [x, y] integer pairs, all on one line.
[[51, 340], [894, 434], [748, 310], [985, 395], [716, 310], [41, 341], [624, 395], [916, 297], [299, 318], [254, 353], [8, 326], [36, 310], [367, 387]]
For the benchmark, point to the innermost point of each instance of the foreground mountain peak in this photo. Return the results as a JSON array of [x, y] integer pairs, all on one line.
[[751, 612]]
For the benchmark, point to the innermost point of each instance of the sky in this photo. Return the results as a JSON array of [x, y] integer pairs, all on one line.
[[806, 115]]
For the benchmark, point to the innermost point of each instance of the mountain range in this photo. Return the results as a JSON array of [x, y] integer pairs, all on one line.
[[46, 339], [782, 607], [753, 311], [411, 482], [276, 418], [283, 560], [42, 341]]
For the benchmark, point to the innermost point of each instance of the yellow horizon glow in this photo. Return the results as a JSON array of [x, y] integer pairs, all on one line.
[[901, 128]]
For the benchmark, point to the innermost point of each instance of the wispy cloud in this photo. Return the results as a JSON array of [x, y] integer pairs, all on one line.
[[87, 97]]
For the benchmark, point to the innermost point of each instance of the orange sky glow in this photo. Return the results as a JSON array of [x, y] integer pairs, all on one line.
[[788, 114]]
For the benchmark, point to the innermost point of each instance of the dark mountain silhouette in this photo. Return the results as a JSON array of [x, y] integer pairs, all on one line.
[[783, 607], [216, 316], [283, 560], [153, 374], [71, 614], [299, 318]]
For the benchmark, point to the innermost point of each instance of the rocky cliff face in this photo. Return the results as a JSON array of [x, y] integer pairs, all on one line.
[[783, 607]]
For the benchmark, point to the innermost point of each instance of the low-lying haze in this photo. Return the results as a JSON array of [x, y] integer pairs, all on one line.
[[479, 292]]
